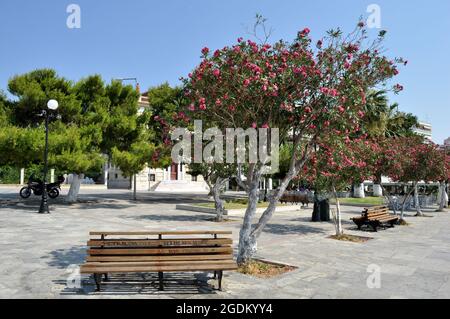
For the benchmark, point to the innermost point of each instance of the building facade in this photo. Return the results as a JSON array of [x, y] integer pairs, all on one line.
[[424, 129]]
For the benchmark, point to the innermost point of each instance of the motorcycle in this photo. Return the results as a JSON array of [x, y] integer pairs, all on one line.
[[35, 186]]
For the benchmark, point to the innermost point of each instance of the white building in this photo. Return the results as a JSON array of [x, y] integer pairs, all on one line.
[[424, 129]]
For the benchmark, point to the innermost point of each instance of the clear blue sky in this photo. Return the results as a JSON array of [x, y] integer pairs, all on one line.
[[159, 41]]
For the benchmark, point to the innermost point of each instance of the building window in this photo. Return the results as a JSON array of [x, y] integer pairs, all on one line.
[[194, 178], [152, 177], [117, 176]]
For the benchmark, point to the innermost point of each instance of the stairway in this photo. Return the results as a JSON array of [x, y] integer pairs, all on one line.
[[181, 187]]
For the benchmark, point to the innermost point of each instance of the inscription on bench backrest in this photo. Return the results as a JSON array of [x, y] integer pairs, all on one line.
[[161, 242]]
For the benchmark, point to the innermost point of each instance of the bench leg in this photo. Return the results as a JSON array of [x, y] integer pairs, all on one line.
[[106, 277], [98, 281], [374, 226], [220, 279], [160, 278], [215, 274]]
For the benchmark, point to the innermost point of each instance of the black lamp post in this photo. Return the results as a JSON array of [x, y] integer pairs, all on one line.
[[43, 209]]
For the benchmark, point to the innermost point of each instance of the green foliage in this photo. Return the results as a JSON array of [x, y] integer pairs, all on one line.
[[9, 175], [135, 159], [94, 119], [384, 120], [122, 126], [34, 89], [21, 147], [4, 112]]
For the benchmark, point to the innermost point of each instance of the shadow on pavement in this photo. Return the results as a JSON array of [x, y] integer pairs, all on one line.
[[143, 284]]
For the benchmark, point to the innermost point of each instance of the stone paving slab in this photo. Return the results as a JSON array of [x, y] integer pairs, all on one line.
[[37, 249]]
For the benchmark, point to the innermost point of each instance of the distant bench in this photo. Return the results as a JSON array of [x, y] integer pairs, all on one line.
[[295, 199], [375, 217], [135, 252]]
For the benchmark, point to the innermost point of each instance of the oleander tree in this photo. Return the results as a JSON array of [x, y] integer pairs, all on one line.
[[306, 90], [444, 179], [335, 165], [410, 160]]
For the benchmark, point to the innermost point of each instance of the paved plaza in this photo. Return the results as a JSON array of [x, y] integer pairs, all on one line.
[[38, 251]]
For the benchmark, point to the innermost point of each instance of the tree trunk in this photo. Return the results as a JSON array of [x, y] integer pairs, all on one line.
[[443, 202], [247, 242], [404, 202], [445, 196], [338, 221], [386, 195], [358, 191], [72, 196], [416, 201], [134, 187], [218, 202], [247, 238]]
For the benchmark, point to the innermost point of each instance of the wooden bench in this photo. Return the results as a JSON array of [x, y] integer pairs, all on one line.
[[171, 251], [375, 217], [295, 199]]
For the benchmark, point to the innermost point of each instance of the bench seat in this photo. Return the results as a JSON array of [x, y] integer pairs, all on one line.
[[375, 217], [185, 251]]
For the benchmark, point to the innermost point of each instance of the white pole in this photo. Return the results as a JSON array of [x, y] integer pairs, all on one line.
[[22, 176]]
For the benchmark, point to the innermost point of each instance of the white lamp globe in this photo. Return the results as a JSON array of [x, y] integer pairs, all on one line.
[[52, 104]]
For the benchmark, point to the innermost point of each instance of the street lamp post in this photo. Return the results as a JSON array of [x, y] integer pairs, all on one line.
[[43, 209]]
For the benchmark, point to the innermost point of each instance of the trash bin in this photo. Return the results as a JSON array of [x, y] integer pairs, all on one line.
[[321, 212], [325, 210], [316, 212]]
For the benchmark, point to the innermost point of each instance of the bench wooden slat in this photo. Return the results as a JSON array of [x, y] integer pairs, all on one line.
[[152, 233], [84, 269], [375, 208], [159, 263], [159, 242], [157, 258], [160, 251]]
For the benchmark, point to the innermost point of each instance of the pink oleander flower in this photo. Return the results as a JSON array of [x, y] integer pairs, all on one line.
[[324, 90], [216, 73], [305, 32], [205, 51], [254, 125], [265, 125]]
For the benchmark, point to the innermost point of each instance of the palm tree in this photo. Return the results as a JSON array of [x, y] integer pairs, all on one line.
[[384, 120]]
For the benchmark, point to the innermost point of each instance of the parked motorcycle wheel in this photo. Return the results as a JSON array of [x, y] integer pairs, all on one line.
[[53, 193], [25, 192]]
